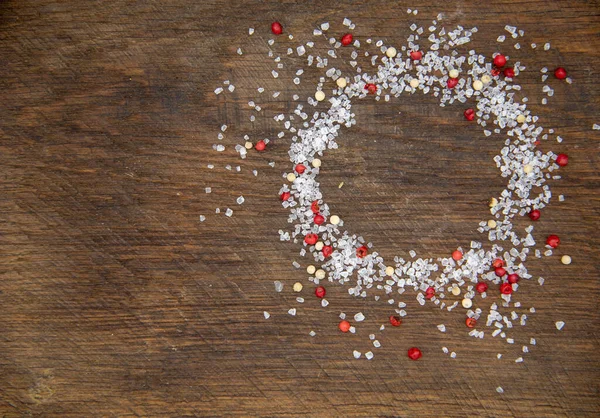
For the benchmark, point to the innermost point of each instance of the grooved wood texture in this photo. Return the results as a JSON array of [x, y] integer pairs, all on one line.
[[116, 301]]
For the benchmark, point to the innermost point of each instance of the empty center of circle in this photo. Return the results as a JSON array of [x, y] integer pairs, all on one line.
[[420, 179]]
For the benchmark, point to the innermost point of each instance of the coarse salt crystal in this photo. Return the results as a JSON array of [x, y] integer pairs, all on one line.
[[359, 317]]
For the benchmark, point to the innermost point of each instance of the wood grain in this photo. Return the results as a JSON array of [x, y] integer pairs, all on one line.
[[116, 301]]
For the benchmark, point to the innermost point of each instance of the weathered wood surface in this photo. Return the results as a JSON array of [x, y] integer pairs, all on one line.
[[116, 301]]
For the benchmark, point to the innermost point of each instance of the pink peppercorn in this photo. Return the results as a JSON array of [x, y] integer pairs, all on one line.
[[318, 219], [495, 72], [499, 60], [327, 250], [414, 353], [457, 255], [535, 214], [347, 39], [344, 326], [416, 55], [260, 145], [500, 271], [361, 252], [430, 292], [513, 278], [506, 288], [395, 321], [276, 28], [314, 207], [562, 159], [481, 287], [300, 168], [560, 73], [469, 114], [452, 82], [371, 88], [509, 72], [285, 196], [498, 263], [311, 239], [470, 322], [553, 241], [320, 292]]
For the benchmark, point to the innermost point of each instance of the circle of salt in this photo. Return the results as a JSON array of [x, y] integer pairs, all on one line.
[[493, 102]]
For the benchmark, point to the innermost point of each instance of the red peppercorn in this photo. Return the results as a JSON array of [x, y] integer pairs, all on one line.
[[260, 145], [361, 252], [560, 73], [562, 159], [285, 196], [553, 241], [469, 114], [509, 72], [344, 326], [513, 278], [495, 71], [535, 214], [452, 82], [300, 168], [320, 292], [327, 250], [499, 60], [430, 292], [371, 88], [314, 207], [481, 287], [457, 255], [318, 219], [347, 39], [506, 288], [395, 321], [498, 263], [500, 271], [311, 239], [471, 322], [276, 28], [414, 353], [416, 55]]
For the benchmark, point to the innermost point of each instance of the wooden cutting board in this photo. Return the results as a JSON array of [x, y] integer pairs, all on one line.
[[116, 301]]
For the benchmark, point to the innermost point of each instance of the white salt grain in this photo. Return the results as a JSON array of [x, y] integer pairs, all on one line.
[[359, 317], [292, 312], [240, 200], [559, 325], [356, 354]]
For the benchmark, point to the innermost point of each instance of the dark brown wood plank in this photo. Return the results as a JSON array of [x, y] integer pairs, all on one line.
[[116, 301]]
